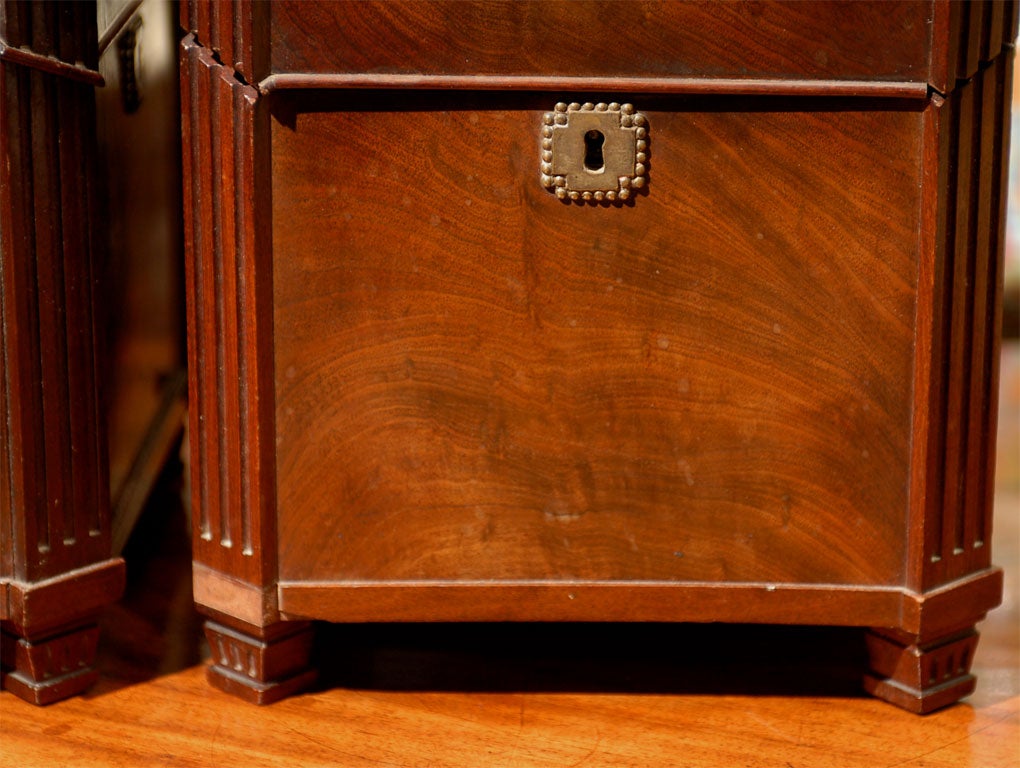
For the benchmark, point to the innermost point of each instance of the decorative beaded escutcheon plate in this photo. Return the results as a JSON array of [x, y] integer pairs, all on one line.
[[594, 152]]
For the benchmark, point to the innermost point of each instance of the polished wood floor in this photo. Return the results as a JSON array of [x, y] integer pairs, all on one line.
[[523, 695]]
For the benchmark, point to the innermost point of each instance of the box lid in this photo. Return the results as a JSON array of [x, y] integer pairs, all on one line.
[[765, 45]]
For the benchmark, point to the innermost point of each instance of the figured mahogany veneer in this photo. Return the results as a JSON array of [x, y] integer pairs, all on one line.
[[423, 388]]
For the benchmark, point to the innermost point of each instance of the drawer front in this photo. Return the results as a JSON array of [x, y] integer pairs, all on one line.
[[478, 381]]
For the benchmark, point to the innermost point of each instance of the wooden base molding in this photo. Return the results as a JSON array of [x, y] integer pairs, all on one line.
[[958, 602], [62, 600], [264, 666]]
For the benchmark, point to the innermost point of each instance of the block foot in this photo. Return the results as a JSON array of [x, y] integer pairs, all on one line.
[[920, 676], [48, 669], [261, 664]]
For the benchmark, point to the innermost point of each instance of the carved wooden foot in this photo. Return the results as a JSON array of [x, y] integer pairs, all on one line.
[[47, 669], [261, 664], [921, 676]]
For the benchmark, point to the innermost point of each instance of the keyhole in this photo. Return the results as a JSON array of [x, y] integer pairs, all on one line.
[[593, 159]]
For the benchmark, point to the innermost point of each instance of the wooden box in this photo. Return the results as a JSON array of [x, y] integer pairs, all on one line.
[[749, 378]]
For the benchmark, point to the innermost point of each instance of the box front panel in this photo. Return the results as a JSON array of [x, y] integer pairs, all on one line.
[[478, 381]]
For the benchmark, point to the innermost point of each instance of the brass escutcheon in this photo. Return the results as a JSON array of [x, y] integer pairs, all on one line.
[[594, 152]]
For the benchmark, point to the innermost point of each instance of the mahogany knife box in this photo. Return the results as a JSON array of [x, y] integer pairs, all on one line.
[[428, 385]]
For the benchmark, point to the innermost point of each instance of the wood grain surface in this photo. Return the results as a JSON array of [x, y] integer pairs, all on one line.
[[477, 381], [823, 40], [525, 696]]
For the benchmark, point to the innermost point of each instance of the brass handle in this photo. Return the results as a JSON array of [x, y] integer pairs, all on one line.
[[594, 152]]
